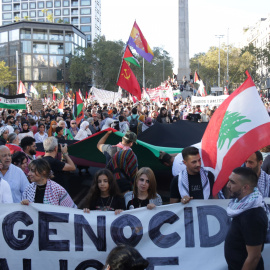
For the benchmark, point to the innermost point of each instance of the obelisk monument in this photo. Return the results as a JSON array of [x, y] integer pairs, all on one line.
[[183, 41]]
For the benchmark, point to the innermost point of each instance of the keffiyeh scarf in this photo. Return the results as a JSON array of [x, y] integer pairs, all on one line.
[[263, 184], [183, 183], [253, 200]]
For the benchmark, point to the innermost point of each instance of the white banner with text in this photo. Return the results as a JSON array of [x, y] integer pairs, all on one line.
[[211, 101], [172, 237]]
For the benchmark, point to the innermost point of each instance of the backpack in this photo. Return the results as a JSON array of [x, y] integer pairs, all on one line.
[[133, 124]]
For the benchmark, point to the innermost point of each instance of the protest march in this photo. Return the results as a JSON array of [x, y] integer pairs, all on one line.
[[146, 176]]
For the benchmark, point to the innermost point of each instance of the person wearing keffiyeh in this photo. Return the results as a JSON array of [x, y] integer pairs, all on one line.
[[42, 189], [248, 230]]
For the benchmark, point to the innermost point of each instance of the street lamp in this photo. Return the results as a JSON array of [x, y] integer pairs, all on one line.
[[219, 37]]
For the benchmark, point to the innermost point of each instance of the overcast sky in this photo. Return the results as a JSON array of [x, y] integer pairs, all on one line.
[[158, 21]]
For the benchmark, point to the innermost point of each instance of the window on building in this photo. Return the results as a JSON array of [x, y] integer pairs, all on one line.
[[6, 7], [49, 11], [24, 14], [57, 12], [25, 33], [66, 3], [40, 47], [6, 22], [16, 7], [56, 61], [32, 5], [26, 60], [65, 11], [7, 16], [69, 48], [69, 36], [6, 1], [24, 5], [40, 34], [88, 37], [85, 20], [26, 46], [40, 60], [66, 20], [85, 2], [14, 35], [26, 74], [49, 4], [86, 28], [13, 47], [74, 3], [3, 50], [85, 11], [40, 4], [57, 3], [41, 20], [32, 14], [56, 35], [40, 74], [74, 12], [56, 48], [74, 20], [40, 13]]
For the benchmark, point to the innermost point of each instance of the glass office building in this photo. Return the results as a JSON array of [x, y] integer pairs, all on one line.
[[84, 14], [44, 51]]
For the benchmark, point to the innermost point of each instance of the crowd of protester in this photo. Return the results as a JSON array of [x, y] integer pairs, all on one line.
[[120, 186]]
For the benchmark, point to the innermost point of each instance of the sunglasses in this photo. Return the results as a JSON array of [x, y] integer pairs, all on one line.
[[73, 123]]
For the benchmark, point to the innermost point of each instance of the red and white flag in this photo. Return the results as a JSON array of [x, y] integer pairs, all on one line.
[[21, 89], [226, 92], [238, 128]]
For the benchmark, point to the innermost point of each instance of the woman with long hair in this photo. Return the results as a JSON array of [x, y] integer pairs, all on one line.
[[104, 194], [163, 116], [52, 128], [25, 131], [144, 191], [42, 189]]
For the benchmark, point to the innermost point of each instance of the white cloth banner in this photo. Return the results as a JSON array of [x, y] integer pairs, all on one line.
[[171, 237], [208, 100], [104, 96]]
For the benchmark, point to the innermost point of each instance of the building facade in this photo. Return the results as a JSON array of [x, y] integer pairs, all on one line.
[[83, 14], [44, 52]]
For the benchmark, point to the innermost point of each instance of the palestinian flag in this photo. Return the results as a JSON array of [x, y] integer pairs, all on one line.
[[78, 113], [61, 106], [21, 89], [13, 102], [129, 57], [239, 127], [201, 89], [196, 77]]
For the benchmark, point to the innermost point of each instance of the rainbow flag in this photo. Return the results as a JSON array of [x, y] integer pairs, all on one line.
[[139, 43]]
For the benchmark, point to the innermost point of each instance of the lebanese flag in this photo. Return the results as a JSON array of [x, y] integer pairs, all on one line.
[[238, 128], [226, 92], [61, 106], [21, 89], [128, 81]]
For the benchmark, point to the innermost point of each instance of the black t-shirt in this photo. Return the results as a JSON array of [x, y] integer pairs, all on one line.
[[108, 204], [195, 186], [266, 164], [247, 229], [137, 203], [57, 168], [40, 191]]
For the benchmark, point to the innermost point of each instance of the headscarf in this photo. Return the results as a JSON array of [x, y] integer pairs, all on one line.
[[51, 131], [142, 118], [108, 123], [125, 161], [23, 130], [84, 124], [2, 130]]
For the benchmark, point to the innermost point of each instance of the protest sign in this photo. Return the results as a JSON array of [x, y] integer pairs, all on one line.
[[13, 102], [37, 105], [211, 101], [105, 96], [171, 237]]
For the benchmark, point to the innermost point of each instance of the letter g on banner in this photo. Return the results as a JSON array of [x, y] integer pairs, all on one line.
[[117, 230], [8, 227]]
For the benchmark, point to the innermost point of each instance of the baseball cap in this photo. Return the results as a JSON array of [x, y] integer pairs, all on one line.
[[130, 136]]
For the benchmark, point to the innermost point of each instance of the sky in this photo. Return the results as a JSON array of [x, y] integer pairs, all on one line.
[[158, 21]]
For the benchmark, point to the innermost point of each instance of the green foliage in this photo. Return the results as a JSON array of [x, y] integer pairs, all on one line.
[[100, 64], [50, 18], [60, 21], [5, 74], [207, 66], [17, 18]]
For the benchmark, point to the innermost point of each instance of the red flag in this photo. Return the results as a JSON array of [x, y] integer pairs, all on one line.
[[128, 81], [86, 95], [54, 96]]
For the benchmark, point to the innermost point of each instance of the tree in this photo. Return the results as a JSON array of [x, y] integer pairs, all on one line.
[[5, 74], [17, 18], [207, 66]]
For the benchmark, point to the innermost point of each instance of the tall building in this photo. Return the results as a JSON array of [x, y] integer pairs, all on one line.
[[44, 51], [83, 14]]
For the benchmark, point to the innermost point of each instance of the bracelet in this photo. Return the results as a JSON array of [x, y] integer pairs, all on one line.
[[65, 154]]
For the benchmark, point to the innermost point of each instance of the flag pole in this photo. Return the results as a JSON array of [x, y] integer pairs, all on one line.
[[143, 75]]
